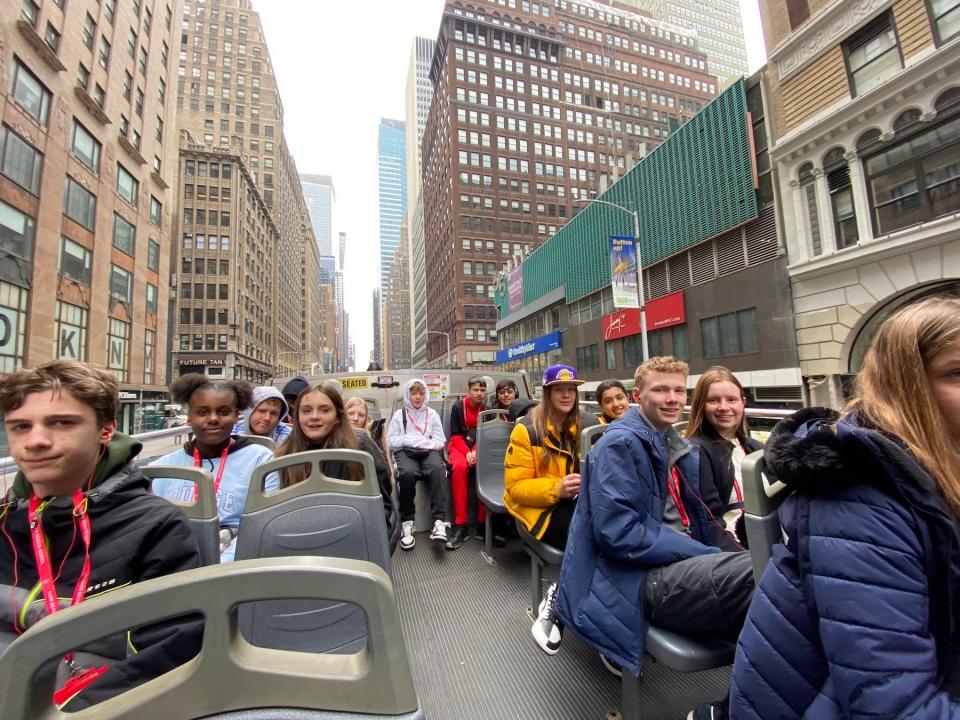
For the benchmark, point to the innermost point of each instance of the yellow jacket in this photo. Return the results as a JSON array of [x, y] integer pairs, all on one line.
[[529, 492]]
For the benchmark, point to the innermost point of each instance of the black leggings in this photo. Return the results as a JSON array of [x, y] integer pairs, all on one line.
[[560, 518]]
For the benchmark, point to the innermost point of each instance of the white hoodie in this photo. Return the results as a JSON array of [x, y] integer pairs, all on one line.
[[424, 429]]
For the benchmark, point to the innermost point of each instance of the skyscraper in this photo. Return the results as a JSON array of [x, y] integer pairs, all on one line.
[[396, 308], [319, 194], [392, 182], [376, 355], [344, 353]]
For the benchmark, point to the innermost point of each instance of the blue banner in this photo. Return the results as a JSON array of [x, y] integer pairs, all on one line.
[[542, 344], [623, 272]]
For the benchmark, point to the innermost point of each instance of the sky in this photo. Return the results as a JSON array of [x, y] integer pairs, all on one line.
[[341, 67]]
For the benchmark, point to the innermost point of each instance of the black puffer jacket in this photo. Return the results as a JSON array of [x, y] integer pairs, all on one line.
[[716, 467], [135, 536]]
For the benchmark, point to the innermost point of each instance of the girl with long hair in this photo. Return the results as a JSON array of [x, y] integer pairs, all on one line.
[[859, 613], [613, 399], [718, 428]]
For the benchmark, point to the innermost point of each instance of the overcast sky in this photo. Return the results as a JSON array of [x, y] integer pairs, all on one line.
[[341, 67]]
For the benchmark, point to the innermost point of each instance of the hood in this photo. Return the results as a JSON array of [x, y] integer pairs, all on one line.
[[120, 451], [295, 387], [520, 407], [406, 393], [266, 392]]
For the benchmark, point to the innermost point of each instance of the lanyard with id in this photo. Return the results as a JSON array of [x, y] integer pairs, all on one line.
[[219, 477]]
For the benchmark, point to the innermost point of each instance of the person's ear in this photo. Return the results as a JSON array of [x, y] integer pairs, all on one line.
[[107, 431], [636, 396]]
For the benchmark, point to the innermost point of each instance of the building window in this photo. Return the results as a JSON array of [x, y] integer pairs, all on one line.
[[89, 31], [13, 328], [30, 11], [71, 332], [20, 161], [797, 12], [916, 179], [80, 205], [946, 18], [127, 185], [124, 235], [153, 255], [51, 37], [610, 350], [75, 261], [29, 93], [103, 55], [872, 54], [837, 170], [156, 211], [587, 358], [85, 147], [149, 345], [729, 334], [16, 235], [118, 345], [121, 285], [808, 197], [151, 303]]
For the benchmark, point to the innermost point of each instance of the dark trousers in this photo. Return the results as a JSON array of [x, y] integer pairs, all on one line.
[[559, 526], [433, 471], [709, 594]]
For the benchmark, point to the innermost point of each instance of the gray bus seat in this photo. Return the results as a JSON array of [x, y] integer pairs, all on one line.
[[255, 682], [263, 440], [493, 437], [202, 515], [540, 555], [762, 497], [373, 409], [320, 516], [588, 438]]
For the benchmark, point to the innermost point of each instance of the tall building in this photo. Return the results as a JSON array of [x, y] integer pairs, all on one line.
[[376, 355], [719, 28], [227, 98], [344, 353], [865, 111], [328, 330], [418, 96], [319, 194], [523, 124], [396, 308], [392, 187], [88, 158]]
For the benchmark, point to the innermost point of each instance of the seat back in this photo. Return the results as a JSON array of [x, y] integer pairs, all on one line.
[[681, 426], [202, 514], [321, 516], [492, 440], [263, 440], [588, 438], [373, 409], [762, 498], [376, 681]]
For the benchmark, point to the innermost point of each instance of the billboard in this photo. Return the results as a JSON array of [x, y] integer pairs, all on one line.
[[623, 272], [515, 290], [542, 344], [662, 312]]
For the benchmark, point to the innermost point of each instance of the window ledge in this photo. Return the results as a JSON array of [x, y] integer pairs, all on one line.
[[37, 43], [158, 179], [130, 149], [90, 104]]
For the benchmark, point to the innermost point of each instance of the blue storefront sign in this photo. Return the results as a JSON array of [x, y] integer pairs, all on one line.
[[542, 344]]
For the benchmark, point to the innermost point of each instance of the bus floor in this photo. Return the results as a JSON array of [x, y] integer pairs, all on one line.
[[468, 638]]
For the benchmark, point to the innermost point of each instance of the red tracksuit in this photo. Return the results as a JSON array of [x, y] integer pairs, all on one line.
[[463, 439]]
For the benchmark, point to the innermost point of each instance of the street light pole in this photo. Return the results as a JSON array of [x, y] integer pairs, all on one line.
[[640, 293], [447, 336]]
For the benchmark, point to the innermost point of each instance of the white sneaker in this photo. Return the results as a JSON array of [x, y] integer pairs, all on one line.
[[546, 632], [407, 541], [439, 532]]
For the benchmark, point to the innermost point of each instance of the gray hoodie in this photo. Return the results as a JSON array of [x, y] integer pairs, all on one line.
[[424, 430], [266, 392]]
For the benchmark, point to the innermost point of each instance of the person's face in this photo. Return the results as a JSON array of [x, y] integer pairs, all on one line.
[[505, 396], [477, 393], [417, 395], [212, 415], [55, 440], [943, 373], [358, 416], [614, 403], [724, 408], [317, 416], [563, 396], [265, 417], [662, 397]]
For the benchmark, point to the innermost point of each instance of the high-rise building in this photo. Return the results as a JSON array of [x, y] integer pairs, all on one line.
[[319, 194], [344, 353], [227, 98], [392, 186], [376, 355], [526, 119], [88, 158], [719, 28], [328, 330], [418, 96], [396, 308]]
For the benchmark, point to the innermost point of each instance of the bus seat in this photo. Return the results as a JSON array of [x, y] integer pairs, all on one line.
[[541, 555], [262, 683], [762, 497], [263, 440], [493, 437], [202, 515], [319, 516], [588, 438]]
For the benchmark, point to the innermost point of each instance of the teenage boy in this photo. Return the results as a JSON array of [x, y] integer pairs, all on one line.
[[265, 416], [415, 436], [641, 548], [462, 454], [80, 522]]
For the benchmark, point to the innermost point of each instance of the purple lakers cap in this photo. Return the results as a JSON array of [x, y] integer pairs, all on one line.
[[560, 374]]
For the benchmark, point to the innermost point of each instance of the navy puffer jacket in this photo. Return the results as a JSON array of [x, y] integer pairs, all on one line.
[[858, 614]]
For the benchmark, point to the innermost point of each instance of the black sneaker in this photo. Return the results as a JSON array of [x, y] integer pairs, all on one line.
[[546, 630], [459, 536], [480, 531], [711, 711]]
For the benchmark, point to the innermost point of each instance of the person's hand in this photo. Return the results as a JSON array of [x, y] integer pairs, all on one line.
[[471, 458], [569, 486]]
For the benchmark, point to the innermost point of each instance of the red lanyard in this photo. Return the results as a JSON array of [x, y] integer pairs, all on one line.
[[219, 477], [426, 423], [79, 678], [673, 485]]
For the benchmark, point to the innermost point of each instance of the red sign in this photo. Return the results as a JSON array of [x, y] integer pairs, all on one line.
[[662, 312]]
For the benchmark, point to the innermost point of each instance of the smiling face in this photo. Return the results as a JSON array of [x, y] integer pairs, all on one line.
[[662, 397], [563, 397], [505, 396], [943, 373], [317, 416], [724, 408], [614, 403], [358, 415], [417, 395], [55, 440], [212, 415], [264, 418]]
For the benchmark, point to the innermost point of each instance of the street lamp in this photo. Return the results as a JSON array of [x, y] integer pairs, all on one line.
[[447, 336], [640, 293]]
